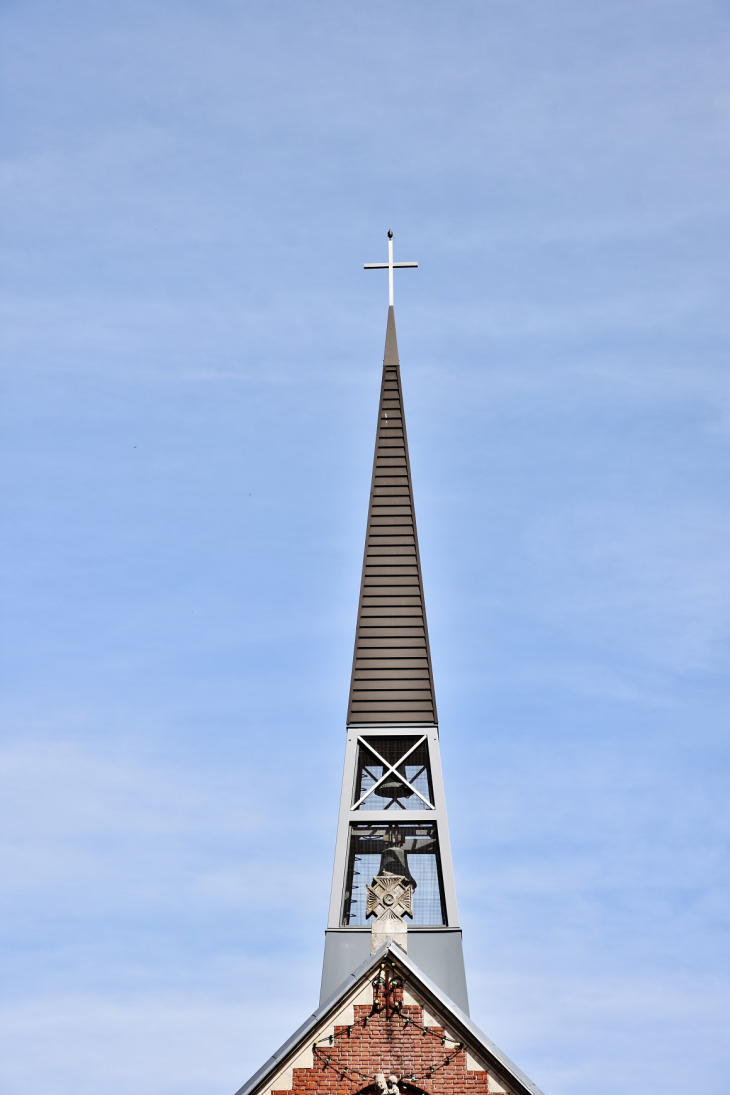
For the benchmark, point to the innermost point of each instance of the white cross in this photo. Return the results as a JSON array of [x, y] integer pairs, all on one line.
[[390, 266]]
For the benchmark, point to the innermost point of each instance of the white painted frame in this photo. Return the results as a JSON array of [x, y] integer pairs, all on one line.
[[349, 814]]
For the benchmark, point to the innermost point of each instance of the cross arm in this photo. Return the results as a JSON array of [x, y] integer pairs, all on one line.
[[386, 266]]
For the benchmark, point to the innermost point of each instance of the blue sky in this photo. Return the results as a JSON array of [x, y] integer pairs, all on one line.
[[191, 367]]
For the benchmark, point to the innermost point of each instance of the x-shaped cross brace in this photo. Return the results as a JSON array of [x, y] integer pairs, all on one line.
[[388, 768]]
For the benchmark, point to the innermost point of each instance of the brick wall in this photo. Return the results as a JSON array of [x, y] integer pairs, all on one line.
[[394, 1038]]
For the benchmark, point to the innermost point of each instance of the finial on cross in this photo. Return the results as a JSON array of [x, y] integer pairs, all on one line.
[[390, 266]]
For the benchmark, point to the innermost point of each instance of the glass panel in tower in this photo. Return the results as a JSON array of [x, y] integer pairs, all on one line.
[[408, 850]]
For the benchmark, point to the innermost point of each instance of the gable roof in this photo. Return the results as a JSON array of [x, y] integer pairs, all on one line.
[[437, 1002], [392, 680]]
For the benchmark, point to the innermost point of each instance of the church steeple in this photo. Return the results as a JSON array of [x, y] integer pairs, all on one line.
[[392, 679], [393, 822], [393, 1012]]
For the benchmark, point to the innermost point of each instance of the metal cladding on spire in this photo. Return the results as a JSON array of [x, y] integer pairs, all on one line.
[[392, 681]]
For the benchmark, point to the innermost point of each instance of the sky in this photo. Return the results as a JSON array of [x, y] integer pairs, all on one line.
[[191, 360]]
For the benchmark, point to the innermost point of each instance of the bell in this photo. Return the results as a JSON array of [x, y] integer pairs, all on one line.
[[392, 788], [395, 861]]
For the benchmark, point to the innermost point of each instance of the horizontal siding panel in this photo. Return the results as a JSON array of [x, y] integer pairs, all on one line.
[[416, 689], [379, 664], [391, 507], [392, 705], [389, 582], [373, 692], [378, 534], [399, 631], [386, 520], [391, 520], [388, 492], [392, 602], [383, 538], [380, 554], [379, 593], [379, 596], [388, 509], [377, 573], [391, 612], [391, 545], [381, 546], [369, 718], [392, 560], [399, 525], [410, 624], [384, 535], [403, 627], [391, 555], [381, 671]]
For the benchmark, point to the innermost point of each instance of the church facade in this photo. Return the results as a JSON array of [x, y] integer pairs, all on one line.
[[393, 1014]]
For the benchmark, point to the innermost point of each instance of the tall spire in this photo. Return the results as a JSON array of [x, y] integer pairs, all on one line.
[[393, 854], [392, 680]]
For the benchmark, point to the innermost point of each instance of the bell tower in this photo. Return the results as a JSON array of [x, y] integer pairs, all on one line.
[[392, 819]]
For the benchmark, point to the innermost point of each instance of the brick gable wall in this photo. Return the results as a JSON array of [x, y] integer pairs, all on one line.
[[394, 1037]]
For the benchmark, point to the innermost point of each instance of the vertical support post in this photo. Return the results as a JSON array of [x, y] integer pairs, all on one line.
[[390, 270]]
